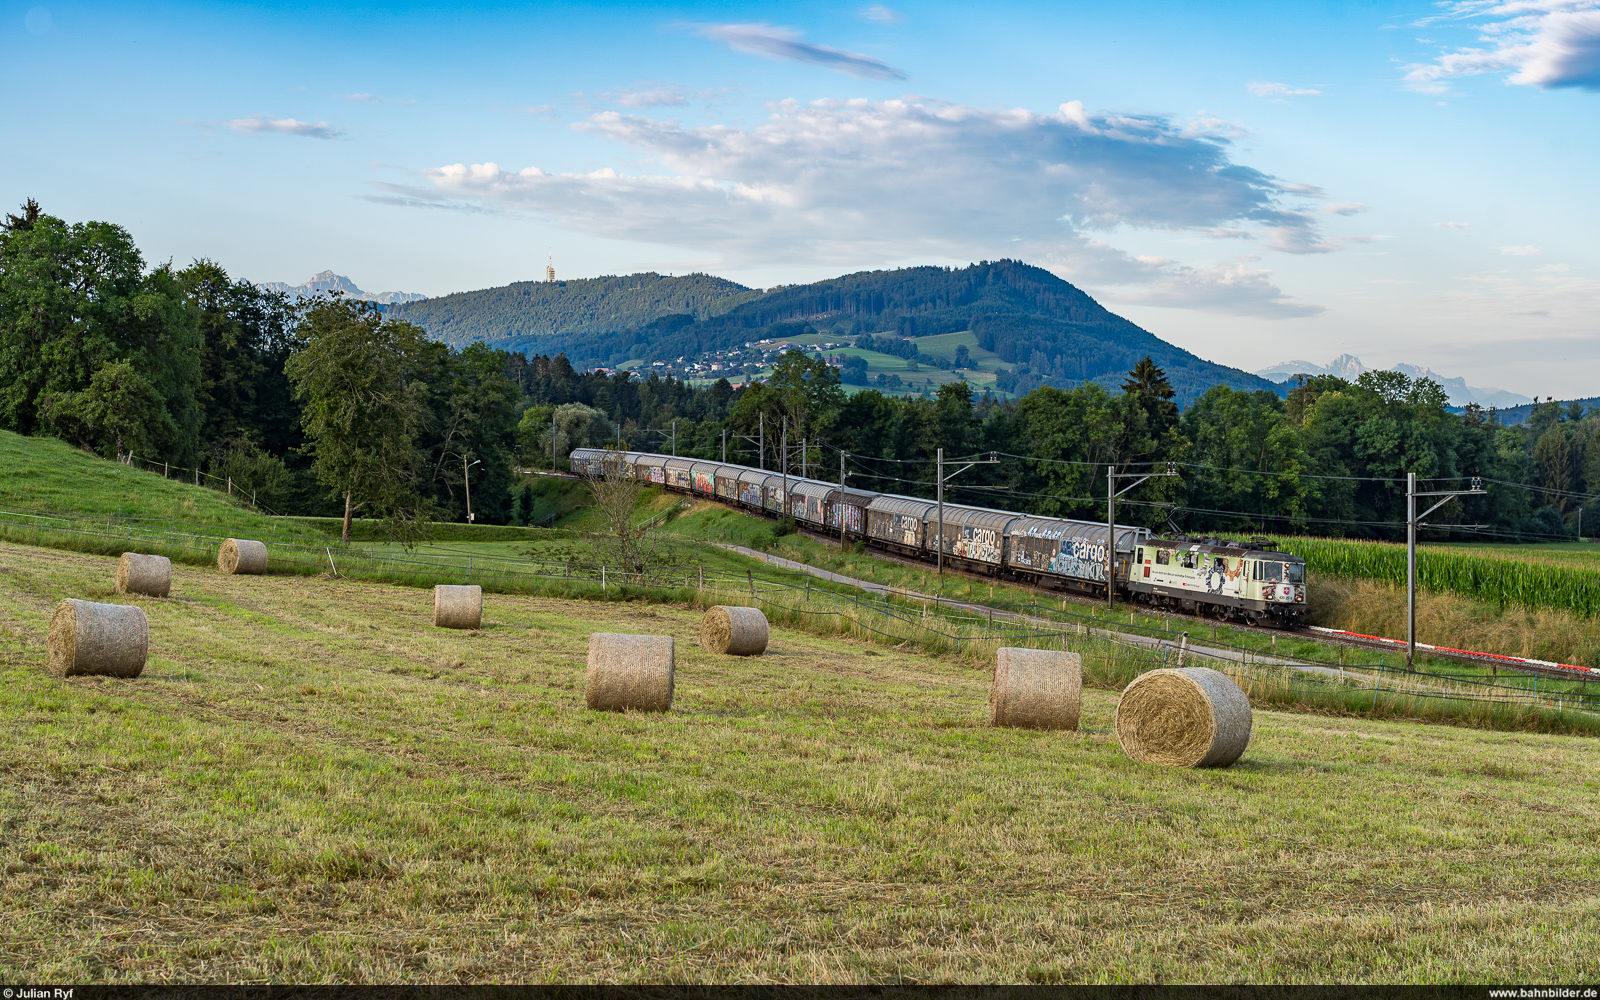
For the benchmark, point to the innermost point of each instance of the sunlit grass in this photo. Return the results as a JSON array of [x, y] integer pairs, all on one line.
[[309, 783]]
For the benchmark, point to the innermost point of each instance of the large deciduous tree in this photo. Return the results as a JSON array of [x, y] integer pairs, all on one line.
[[357, 376], [76, 299]]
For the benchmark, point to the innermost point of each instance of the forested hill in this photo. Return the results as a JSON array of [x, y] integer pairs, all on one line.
[[1048, 329], [536, 309]]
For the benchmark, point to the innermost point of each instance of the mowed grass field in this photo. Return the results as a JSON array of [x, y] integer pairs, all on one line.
[[309, 783]]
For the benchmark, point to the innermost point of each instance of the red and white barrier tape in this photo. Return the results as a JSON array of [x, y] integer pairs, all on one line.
[[1548, 664]]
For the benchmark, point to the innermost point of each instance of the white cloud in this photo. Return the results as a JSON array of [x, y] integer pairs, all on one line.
[[784, 43], [879, 14], [286, 126], [548, 112], [1547, 43], [656, 97], [1519, 251], [1278, 91], [1453, 225], [1344, 208], [1232, 288], [857, 183]]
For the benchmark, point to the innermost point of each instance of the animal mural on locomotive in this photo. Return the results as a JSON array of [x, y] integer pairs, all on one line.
[[1221, 580]]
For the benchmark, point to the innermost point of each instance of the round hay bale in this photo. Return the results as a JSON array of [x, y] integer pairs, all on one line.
[[241, 555], [457, 607], [1036, 689], [142, 574], [734, 631], [109, 640], [1187, 717], [629, 672]]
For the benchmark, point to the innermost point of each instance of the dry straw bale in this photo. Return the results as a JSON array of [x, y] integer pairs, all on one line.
[[241, 555], [629, 672], [142, 574], [734, 631], [1035, 689], [457, 606], [111, 640], [1188, 717]]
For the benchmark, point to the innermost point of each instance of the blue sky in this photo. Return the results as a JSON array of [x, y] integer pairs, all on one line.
[[1254, 182]]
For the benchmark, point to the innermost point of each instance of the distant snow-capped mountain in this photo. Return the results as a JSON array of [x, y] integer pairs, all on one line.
[[327, 281], [1349, 368]]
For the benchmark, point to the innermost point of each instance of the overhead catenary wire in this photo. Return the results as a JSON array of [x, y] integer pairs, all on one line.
[[856, 459]]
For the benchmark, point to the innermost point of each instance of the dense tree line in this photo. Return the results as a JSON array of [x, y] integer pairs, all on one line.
[[328, 406], [1330, 459], [293, 401]]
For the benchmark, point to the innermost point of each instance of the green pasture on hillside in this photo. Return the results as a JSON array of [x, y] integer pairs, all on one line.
[[981, 376], [311, 784], [43, 474], [943, 345]]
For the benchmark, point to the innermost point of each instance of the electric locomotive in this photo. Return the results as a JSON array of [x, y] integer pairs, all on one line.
[[1246, 581]]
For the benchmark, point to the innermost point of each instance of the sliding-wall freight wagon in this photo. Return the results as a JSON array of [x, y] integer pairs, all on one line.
[[1248, 581]]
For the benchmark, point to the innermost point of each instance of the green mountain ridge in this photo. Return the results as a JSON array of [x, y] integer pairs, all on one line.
[[1048, 330], [533, 309]]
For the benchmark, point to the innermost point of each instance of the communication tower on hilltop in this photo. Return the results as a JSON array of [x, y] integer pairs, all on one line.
[[550, 271]]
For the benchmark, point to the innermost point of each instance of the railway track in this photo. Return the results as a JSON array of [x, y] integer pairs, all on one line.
[[1337, 637]]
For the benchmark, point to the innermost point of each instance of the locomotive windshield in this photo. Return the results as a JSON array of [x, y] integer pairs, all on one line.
[[1284, 572]]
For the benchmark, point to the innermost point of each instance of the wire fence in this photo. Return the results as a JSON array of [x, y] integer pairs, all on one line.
[[888, 616], [222, 484]]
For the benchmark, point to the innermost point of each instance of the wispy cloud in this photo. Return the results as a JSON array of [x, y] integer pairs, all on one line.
[[1234, 288], [548, 112], [856, 183], [1453, 225], [1344, 208], [879, 14], [1547, 43], [1279, 91], [655, 95], [368, 99], [784, 43], [284, 126], [1520, 251]]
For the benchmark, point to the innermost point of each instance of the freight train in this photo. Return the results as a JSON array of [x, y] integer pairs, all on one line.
[[1241, 581]]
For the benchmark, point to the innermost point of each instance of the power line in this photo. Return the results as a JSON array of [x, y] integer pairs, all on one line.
[[856, 458]]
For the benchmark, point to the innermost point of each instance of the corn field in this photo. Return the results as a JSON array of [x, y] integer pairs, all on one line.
[[1489, 578]]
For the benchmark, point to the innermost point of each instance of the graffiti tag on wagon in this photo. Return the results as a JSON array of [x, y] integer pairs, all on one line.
[[909, 526], [1080, 549], [1084, 569], [851, 515], [982, 544]]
